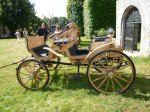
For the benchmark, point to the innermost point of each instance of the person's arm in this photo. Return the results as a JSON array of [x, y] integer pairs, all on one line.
[[38, 32], [47, 32]]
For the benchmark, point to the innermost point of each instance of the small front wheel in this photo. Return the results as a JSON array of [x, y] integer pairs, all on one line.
[[32, 74], [111, 72]]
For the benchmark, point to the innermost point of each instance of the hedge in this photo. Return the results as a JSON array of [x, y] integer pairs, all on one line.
[[75, 13], [98, 14]]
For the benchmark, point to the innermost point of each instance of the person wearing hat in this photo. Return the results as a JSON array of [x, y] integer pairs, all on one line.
[[111, 34]]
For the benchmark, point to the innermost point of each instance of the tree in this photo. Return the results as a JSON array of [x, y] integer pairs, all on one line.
[[16, 14], [75, 13], [34, 24], [52, 21]]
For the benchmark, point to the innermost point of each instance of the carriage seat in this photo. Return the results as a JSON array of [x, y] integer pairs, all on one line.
[[40, 52], [74, 51], [61, 41], [99, 38]]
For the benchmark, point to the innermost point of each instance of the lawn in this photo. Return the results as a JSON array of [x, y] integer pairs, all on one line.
[[64, 94]]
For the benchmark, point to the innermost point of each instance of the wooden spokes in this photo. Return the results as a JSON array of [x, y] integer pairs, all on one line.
[[32, 74], [111, 72]]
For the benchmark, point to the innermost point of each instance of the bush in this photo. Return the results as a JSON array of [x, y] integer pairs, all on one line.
[[101, 32]]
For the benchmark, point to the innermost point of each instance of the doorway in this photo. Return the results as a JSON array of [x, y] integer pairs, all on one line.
[[132, 32]]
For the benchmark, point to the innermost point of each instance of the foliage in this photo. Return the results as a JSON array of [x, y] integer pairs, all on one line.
[[88, 17], [52, 21], [75, 13], [16, 14], [99, 14], [34, 24], [101, 32]]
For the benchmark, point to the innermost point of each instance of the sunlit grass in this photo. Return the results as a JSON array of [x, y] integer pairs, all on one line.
[[64, 94]]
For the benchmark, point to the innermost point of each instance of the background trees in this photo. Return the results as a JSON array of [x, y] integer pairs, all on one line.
[[17, 14], [52, 21]]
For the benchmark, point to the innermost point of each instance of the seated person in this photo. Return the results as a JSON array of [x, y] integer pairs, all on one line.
[[74, 32], [58, 39], [57, 29], [70, 34], [111, 34]]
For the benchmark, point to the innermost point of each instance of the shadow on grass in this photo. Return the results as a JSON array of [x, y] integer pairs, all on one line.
[[139, 90], [66, 82], [8, 37]]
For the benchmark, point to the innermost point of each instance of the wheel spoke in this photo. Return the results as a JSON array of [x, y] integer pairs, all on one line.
[[99, 74], [102, 64], [121, 78], [99, 78], [27, 69], [123, 67], [118, 82], [113, 86], [120, 61], [27, 81], [99, 69], [37, 84], [106, 57], [41, 77], [40, 81], [24, 77], [25, 73], [32, 83], [102, 82], [107, 84], [37, 70]]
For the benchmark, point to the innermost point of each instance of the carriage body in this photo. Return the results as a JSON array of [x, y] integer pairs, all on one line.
[[103, 59]]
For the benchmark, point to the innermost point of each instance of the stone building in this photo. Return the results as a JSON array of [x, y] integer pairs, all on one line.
[[133, 25]]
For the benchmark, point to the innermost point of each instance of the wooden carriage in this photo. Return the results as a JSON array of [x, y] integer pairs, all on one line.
[[109, 70]]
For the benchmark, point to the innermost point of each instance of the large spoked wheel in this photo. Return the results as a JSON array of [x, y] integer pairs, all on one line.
[[111, 72], [54, 65], [32, 74]]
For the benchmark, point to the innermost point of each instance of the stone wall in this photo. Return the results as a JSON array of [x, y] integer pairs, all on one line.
[[122, 9]]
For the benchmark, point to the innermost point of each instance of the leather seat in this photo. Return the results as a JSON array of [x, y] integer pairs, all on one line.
[[39, 51], [74, 51]]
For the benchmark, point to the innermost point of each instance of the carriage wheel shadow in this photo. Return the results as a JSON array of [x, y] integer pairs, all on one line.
[[139, 90], [65, 81]]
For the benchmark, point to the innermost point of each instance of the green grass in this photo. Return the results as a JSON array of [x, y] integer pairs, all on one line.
[[64, 94]]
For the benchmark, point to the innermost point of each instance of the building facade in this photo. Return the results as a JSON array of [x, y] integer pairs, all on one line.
[[133, 25]]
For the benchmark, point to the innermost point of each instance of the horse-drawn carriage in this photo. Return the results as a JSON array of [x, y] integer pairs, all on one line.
[[109, 70]]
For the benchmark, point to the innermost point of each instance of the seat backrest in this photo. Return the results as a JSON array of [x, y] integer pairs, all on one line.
[[33, 42], [73, 50]]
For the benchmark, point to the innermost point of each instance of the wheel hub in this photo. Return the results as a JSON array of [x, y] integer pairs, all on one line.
[[110, 74]]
